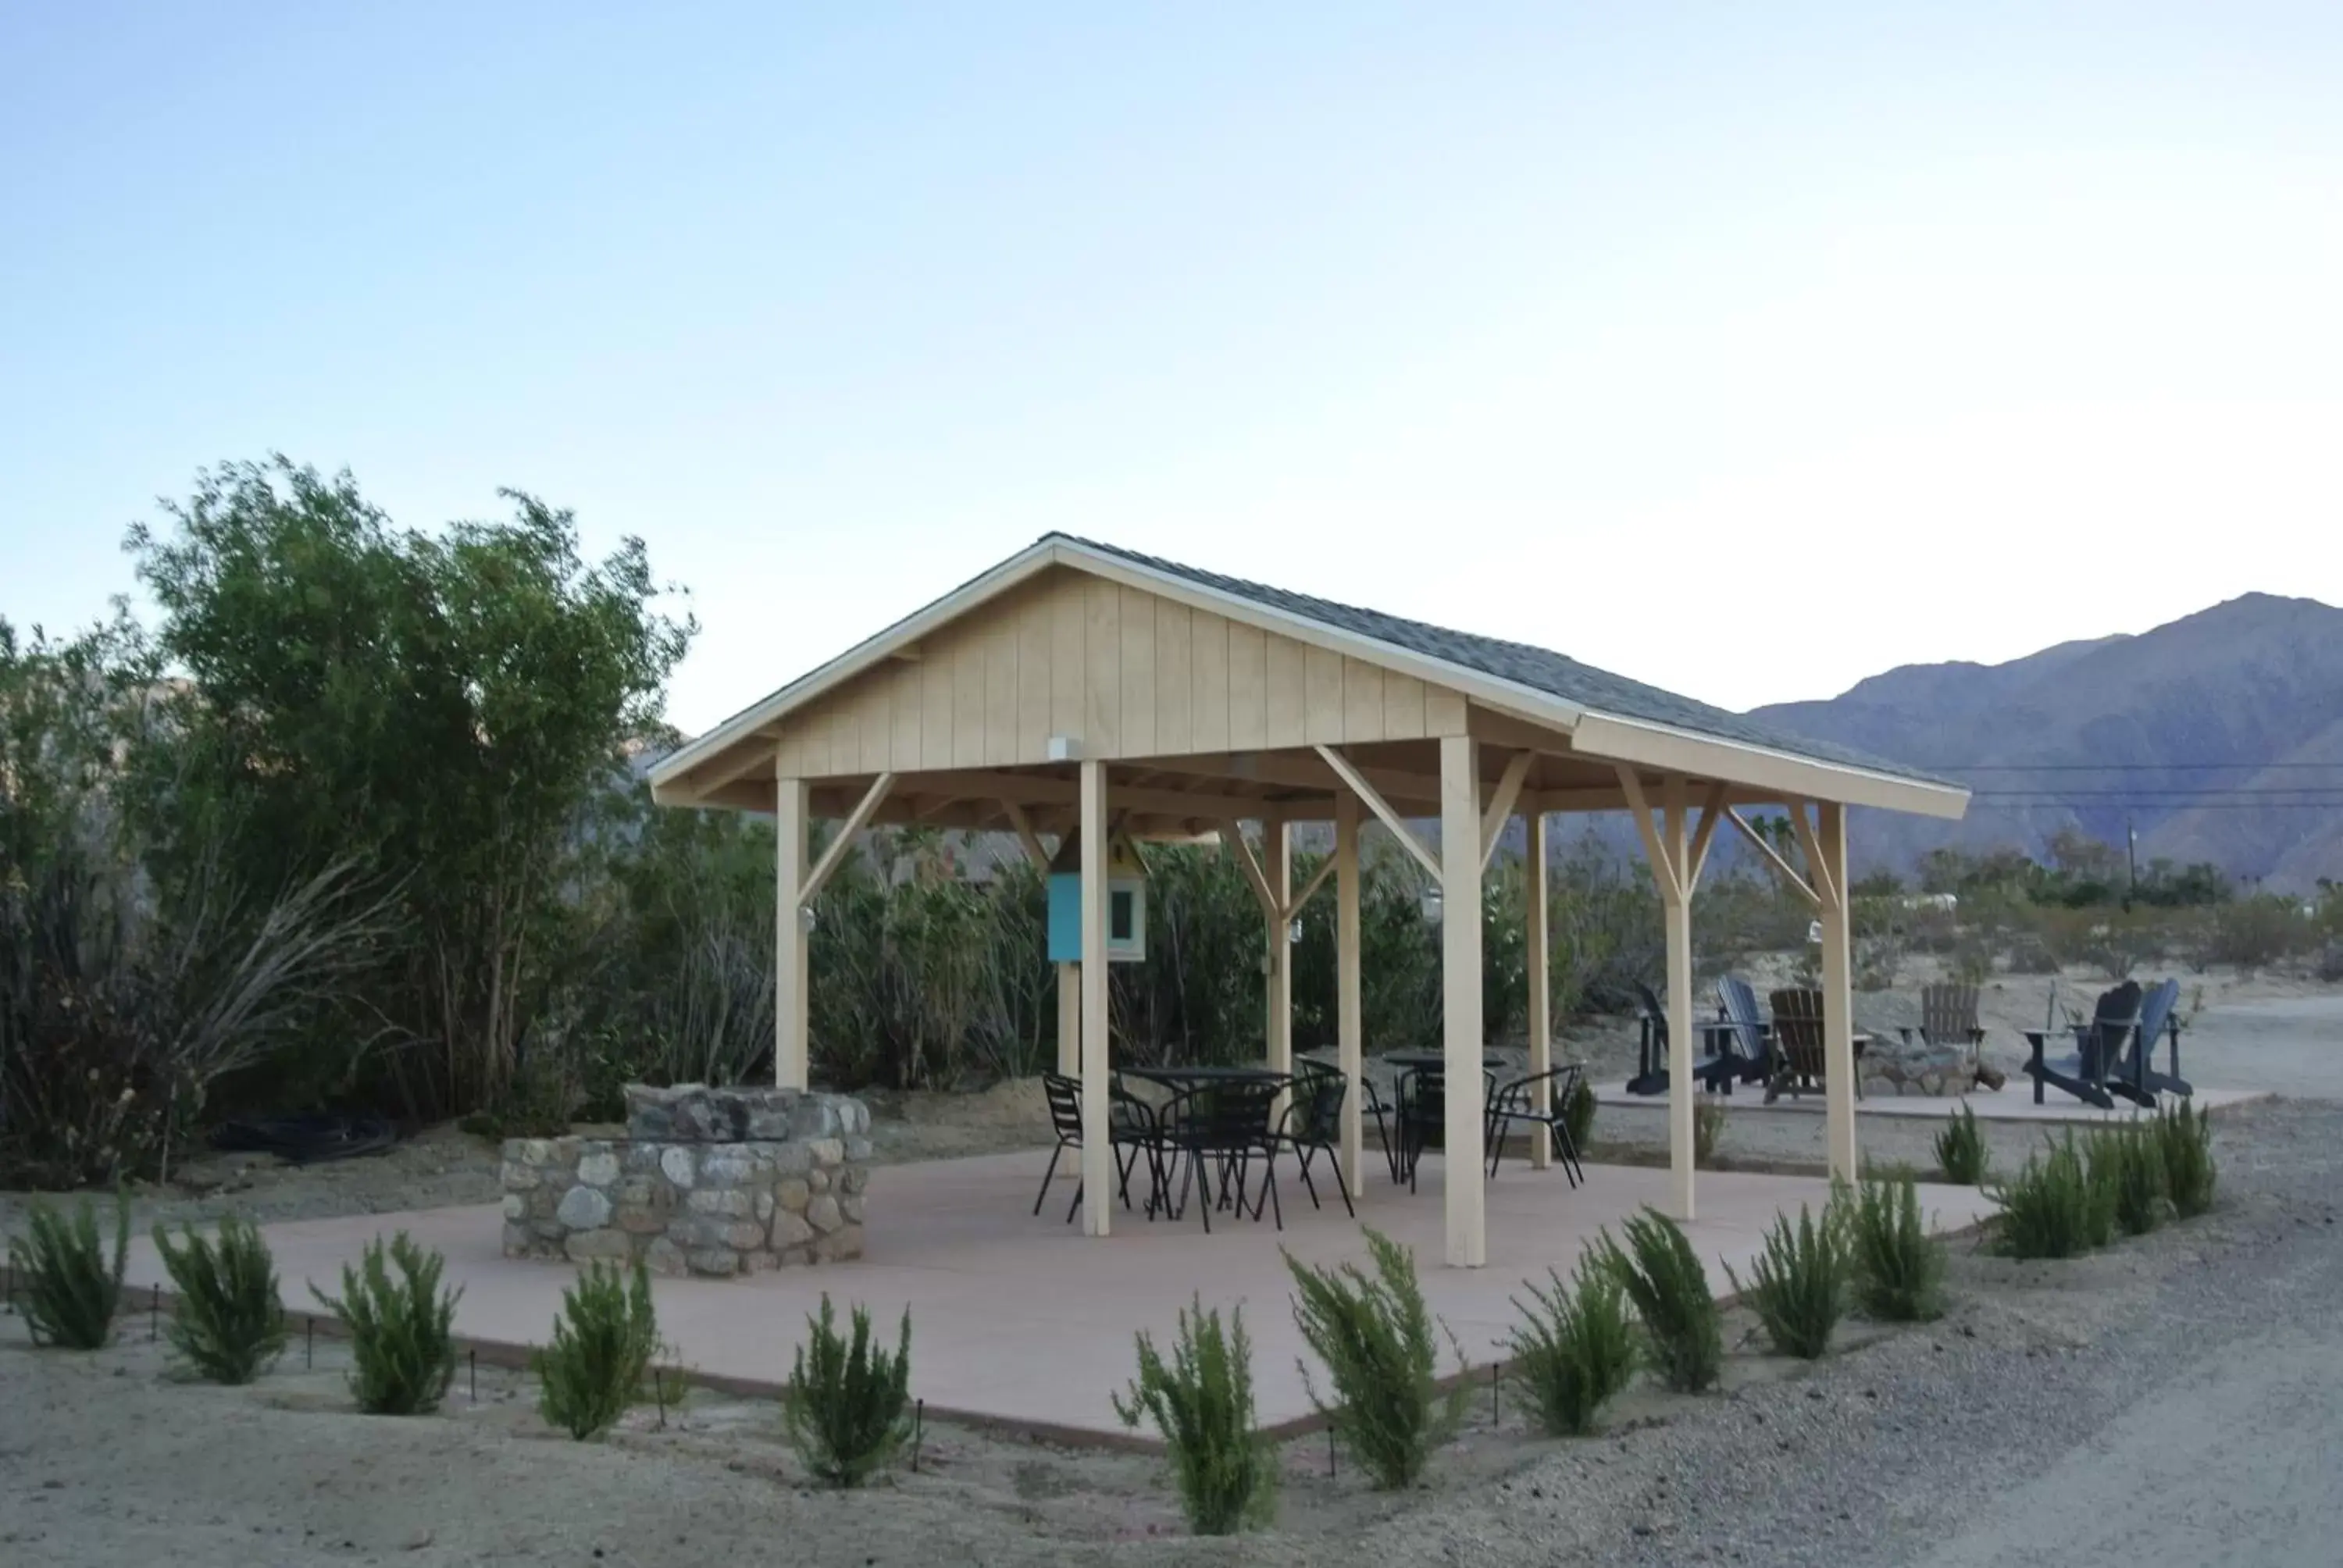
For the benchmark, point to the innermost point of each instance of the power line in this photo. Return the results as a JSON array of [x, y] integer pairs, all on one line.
[[2126, 767]]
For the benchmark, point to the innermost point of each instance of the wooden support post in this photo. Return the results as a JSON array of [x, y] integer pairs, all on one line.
[[1349, 1041], [1277, 875], [1098, 1153], [792, 967], [1533, 889], [1459, 979], [1070, 1019], [1839, 992], [1681, 1023]]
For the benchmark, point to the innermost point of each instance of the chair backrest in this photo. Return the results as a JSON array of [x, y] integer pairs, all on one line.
[[1654, 1010], [2154, 1009], [1740, 1004], [1798, 1030], [1065, 1097], [1317, 1103], [2111, 1025], [1948, 1013], [1237, 1115]]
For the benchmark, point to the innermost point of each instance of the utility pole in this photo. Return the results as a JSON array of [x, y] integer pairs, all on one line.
[[2131, 861]]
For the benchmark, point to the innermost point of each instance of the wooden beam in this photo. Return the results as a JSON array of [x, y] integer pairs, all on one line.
[[1098, 1150], [1250, 864], [1308, 888], [1366, 792], [1663, 870], [1500, 804], [835, 856], [755, 751], [1301, 771], [792, 949], [1819, 871], [1781, 868], [1041, 790], [1486, 724], [1024, 826], [1348, 1032], [1709, 810], [1462, 1041]]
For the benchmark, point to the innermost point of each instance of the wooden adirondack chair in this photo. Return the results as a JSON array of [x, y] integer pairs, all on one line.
[[1948, 1016], [1800, 1061]]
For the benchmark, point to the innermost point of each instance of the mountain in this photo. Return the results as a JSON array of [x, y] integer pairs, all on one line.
[[2218, 737]]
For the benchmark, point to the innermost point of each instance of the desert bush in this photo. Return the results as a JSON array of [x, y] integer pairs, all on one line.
[[1798, 1285], [1961, 1154], [2253, 933], [1899, 1268], [2053, 1208], [66, 1287], [402, 1340], [1201, 1402], [229, 1323], [1380, 1346], [1707, 1128], [1578, 1114], [846, 1410], [1683, 1334], [1576, 1346], [2130, 1160], [2184, 1140], [603, 1342]]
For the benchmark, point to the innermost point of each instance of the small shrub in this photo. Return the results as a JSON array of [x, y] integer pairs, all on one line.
[[66, 1287], [603, 1344], [402, 1345], [1578, 1115], [1707, 1128], [845, 1413], [1797, 1287], [1203, 1405], [2133, 1163], [1960, 1148], [230, 1324], [2053, 1208], [1379, 1345], [1683, 1334], [1898, 1267], [1575, 1347], [2184, 1138]]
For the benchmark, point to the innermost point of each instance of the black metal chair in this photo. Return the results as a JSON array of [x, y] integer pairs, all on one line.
[[1217, 1130], [1312, 1124], [1423, 1114], [1519, 1102], [1132, 1129]]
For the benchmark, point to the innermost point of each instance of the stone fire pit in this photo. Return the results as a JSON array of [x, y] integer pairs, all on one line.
[[712, 1182]]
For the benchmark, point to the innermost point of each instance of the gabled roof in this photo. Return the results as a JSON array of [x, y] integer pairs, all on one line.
[[1606, 715], [1580, 685]]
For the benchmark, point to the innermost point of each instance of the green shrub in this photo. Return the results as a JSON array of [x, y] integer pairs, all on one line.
[[1203, 1405], [1683, 1333], [1960, 1149], [66, 1287], [2130, 1160], [402, 1345], [1797, 1287], [1575, 1347], [603, 1344], [1578, 1114], [1707, 1128], [846, 1411], [1898, 1267], [230, 1324], [2183, 1137], [1379, 1345], [2053, 1208]]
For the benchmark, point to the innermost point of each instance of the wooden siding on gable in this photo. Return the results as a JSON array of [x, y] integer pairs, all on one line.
[[1125, 672]]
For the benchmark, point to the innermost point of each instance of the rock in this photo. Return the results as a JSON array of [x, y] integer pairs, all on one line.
[[719, 1262], [676, 1165], [857, 1150], [818, 1179], [518, 1177], [664, 1257], [745, 1236], [641, 1219], [583, 1209], [823, 1212], [853, 1179], [826, 1151], [722, 1167], [583, 1246], [790, 1230], [793, 1193], [599, 1169], [516, 1206], [732, 1202], [763, 1209], [851, 1207]]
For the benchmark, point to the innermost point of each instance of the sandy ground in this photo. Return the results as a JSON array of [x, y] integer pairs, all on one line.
[[2171, 1400]]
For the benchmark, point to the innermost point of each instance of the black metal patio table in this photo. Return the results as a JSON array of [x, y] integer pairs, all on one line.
[[1193, 1090]]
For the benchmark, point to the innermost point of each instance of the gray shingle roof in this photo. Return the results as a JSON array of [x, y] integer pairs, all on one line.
[[1539, 668]]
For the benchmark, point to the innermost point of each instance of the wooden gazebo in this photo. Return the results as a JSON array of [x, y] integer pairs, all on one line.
[[1080, 688]]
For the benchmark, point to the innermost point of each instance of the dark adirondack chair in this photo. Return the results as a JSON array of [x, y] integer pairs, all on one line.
[[1651, 1046], [2098, 1044], [1743, 1055], [2134, 1073]]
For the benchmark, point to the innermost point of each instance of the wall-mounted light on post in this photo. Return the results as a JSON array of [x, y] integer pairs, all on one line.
[[1429, 903]]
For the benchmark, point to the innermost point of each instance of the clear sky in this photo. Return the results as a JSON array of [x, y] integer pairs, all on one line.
[[1742, 350]]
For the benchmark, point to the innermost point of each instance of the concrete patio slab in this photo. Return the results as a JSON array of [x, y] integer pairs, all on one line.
[[2014, 1104], [1023, 1320]]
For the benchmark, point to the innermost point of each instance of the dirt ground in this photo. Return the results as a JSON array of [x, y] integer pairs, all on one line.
[[112, 1458]]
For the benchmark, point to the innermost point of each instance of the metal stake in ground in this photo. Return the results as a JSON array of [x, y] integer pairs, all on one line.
[[308, 1342], [919, 1430], [155, 1315], [475, 1358], [658, 1391]]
